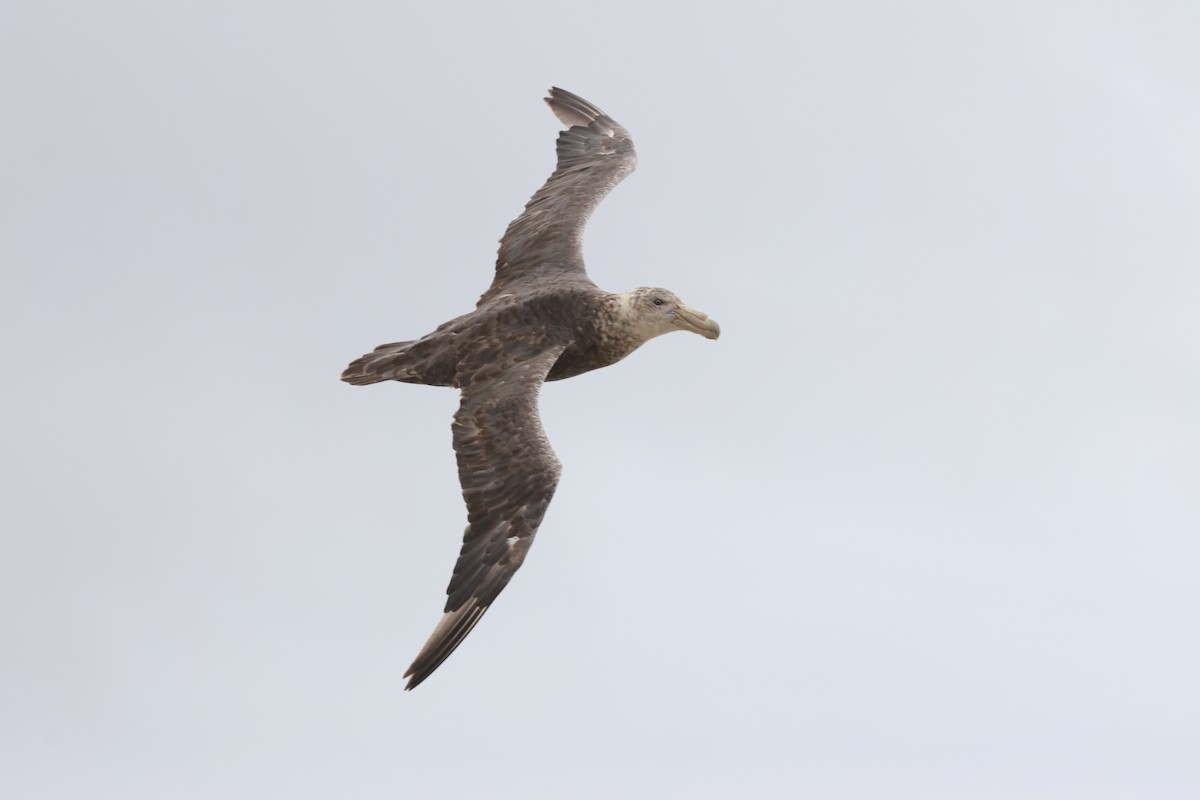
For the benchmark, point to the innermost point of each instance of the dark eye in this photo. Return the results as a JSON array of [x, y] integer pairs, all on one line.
[[658, 301]]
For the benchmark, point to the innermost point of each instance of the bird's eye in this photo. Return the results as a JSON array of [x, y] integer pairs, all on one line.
[[658, 301]]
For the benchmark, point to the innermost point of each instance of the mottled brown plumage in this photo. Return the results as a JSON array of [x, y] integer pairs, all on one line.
[[541, 319]]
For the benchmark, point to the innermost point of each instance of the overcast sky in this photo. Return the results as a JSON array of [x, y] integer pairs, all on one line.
[[921, 524]]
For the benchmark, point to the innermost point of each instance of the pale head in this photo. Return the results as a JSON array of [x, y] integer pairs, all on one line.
[[648, 312]]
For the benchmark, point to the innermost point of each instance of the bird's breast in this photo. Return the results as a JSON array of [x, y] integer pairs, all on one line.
[[585, 355]]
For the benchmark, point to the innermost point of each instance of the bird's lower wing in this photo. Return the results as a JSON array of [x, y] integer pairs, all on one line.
[[508, 474]]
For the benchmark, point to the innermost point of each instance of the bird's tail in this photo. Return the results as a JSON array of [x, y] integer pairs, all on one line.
[[419, 361], [384, 363]]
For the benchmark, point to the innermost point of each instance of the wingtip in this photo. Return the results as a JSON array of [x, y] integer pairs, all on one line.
[[447, 636], [413, 680], [571, 109]]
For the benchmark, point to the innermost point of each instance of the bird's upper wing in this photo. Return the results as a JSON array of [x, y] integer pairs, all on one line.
[[508, 474], [594, 155]]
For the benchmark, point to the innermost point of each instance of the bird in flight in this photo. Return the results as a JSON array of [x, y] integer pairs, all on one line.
[[542, 319]]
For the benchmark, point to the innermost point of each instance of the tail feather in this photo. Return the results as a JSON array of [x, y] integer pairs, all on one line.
[[429, 360], [388, 362]]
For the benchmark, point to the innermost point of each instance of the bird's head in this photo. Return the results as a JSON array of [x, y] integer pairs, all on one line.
[[653, 312]]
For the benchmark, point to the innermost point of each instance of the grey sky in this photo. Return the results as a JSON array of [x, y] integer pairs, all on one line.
[[921, 524]]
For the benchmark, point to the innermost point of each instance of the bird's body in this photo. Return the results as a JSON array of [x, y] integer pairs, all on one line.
[[541, 319]]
